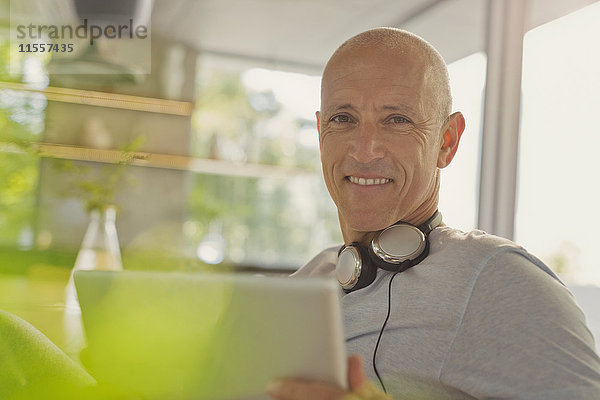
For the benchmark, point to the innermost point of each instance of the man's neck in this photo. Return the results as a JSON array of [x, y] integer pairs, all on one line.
[[416, 218]]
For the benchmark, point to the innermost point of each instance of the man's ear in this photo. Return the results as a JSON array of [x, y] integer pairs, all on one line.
[[451, 133], [318, 114]]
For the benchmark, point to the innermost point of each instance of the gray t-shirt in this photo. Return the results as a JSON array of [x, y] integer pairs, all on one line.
[[480, 318]]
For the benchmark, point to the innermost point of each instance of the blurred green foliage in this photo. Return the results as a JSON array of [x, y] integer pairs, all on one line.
[[15, 261], [224, 120], [20, 118], [4, 62], [18, 174], [97, 187], [235, 123]]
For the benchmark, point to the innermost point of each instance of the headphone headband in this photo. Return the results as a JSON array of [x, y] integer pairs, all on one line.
[[432, 223]]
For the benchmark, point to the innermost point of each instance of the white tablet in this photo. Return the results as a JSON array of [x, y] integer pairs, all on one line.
[[209, 336]]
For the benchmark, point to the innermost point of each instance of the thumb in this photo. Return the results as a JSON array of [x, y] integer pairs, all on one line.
[[356, 372]]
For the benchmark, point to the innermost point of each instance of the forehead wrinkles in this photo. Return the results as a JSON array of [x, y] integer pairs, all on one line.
[[374, 90], [372, 100], [348, 74]]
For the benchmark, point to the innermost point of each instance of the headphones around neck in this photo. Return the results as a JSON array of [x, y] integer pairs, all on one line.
[[396, 248]]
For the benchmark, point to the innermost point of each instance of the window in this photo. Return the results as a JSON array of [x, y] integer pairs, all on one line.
[[558, 192], [458, 192], [267, 205]]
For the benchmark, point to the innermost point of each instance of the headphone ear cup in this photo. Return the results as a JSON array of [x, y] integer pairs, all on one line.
[[368, 271], [421, 256], [354, 270], [380, 263], [388, 266], [399, 266]]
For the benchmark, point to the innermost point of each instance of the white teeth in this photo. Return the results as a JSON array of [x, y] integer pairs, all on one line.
[[369, 181]]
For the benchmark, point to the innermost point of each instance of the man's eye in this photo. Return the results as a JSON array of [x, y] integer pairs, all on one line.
[[398, 120], [341, 118]]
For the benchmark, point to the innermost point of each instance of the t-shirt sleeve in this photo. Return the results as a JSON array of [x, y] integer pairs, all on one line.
[[522, 336]]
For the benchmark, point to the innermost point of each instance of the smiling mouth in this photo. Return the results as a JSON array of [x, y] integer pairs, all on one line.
[[368, 181]]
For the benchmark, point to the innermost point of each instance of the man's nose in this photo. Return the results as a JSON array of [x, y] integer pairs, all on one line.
[[366, 144]]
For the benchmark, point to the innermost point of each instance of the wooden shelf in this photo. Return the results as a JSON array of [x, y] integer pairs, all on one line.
[[166, 161], [156, 160], [111, 100]]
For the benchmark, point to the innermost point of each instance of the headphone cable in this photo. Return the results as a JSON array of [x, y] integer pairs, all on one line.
[[382, 328]]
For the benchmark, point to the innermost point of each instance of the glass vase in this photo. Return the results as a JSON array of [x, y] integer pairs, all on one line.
[[99, 250]]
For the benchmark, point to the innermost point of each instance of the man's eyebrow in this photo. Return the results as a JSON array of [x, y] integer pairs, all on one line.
[[392, 107], [346, 106]]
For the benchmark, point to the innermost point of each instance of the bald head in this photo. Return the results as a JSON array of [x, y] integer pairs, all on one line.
[[404, 46]]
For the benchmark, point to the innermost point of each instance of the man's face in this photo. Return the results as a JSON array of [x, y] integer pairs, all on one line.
[[379, 139]]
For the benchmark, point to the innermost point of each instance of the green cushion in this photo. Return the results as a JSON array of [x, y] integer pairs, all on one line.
[[32, 367]]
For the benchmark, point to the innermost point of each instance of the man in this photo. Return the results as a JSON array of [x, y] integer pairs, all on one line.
[[478, 317]]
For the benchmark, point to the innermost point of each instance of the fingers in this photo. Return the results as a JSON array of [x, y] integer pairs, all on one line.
[[295, 389], [361, 387], [292, 389], [356, 372]]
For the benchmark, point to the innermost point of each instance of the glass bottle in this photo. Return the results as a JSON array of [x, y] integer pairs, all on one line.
[[99, 251]]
